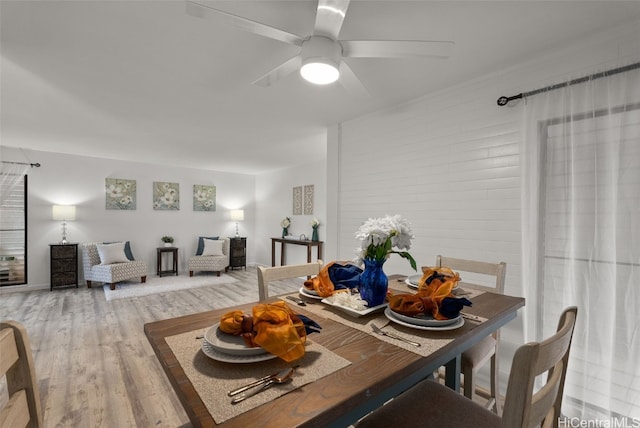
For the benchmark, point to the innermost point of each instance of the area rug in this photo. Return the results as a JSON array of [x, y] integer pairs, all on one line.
[[154, 284]]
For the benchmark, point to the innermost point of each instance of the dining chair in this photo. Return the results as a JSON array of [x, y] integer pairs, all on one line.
[[487, 350], [277, 273], [431, 404], [16, 362]]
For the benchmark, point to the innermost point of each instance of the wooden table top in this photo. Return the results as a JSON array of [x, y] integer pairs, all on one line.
[[378, 370]]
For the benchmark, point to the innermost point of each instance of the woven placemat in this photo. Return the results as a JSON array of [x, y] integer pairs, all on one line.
[[213, 379]]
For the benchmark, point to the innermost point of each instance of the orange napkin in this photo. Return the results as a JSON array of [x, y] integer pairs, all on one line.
[[434, 286], [272, 326], [335, 277]]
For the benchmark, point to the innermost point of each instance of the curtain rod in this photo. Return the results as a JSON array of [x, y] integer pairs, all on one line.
[[37, 165], [503, 101]]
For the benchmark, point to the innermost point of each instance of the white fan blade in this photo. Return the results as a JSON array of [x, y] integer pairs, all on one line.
[[284, 69], [329, 17], [201, 11], [351, 83], [395, 48]]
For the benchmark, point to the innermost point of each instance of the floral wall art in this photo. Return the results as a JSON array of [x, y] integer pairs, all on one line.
[[120, 194], [204, 198], [166, 196]]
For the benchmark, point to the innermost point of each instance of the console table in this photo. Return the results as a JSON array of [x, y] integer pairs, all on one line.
[[283, 249]]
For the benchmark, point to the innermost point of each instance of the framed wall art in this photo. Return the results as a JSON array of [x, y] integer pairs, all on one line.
[[204, 197], [308, 199], [297, 200], [166, 196], [120, 194]]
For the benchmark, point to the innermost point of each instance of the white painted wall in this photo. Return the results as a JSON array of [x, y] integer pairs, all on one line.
[[68, 179], [274, 201]]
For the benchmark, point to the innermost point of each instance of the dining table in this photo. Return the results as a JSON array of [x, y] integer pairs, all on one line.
[[348, 370]]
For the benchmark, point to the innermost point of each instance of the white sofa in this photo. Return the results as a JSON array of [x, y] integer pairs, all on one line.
[[110, 273], [211, 263]]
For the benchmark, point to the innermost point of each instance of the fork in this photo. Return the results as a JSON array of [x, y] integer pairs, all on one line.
[[393, 336]]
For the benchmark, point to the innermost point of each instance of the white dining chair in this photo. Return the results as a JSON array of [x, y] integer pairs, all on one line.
[[278, 273], [487, 350], [431, 404]]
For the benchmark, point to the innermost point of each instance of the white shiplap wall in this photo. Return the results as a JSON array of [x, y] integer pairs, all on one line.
[[449, 164]]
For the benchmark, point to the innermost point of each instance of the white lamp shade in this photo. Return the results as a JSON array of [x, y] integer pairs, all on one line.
[[237, 215], [64, 212]]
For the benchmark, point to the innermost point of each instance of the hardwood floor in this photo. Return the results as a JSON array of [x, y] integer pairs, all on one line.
[[94, 365]]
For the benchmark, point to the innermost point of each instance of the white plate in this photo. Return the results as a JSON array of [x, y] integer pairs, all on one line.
[[354, 312], [309, 294], [228, 343], [427, 320], [412, 281], [210, 352], [390, 314]]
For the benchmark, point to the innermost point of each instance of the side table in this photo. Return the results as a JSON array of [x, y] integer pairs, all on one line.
[[238, 253], [64, 265], [174, 253]]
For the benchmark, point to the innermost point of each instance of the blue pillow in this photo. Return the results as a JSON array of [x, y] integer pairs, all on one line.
[[127, 250], [201, 244]]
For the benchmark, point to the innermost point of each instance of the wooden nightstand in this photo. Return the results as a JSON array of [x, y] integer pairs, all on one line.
[[237, 252], [64, 265]]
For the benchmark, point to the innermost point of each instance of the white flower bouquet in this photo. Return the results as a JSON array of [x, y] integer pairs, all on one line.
[[384, 236]]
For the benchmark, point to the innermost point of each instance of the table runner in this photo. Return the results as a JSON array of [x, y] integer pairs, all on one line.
[[213, 379]]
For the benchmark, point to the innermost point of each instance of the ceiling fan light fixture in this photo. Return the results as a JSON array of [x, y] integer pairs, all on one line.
[[320, 58], [320, 71]]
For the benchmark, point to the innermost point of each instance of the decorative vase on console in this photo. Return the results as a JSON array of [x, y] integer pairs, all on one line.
[[285, 223], [315, 223], [380, 238]]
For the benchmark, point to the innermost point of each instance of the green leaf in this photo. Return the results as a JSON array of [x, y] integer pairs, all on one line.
[[406, 255]]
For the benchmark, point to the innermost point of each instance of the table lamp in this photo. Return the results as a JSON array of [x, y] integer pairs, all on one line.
[[64, 213], [237, 215]]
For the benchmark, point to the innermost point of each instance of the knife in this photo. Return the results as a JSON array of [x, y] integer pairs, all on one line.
[[475, 318], [298, 301]]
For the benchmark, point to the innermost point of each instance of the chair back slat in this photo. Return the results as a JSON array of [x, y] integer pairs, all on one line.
[[525, 408], [277, 273], [16, 363], [497, 270]]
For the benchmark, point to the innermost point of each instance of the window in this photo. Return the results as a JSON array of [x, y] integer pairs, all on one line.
[[13, 233]]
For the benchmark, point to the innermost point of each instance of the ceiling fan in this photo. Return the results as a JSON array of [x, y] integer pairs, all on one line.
[[320, 60]]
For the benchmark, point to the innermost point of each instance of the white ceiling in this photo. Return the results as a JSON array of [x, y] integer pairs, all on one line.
[[144, 81]]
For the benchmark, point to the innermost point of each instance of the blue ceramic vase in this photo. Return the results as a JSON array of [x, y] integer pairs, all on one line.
[[373, 283], [314, 235]]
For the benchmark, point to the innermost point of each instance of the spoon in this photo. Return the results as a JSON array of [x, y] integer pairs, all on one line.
[[282, 377]]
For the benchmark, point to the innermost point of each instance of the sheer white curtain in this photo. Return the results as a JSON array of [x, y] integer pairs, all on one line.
[[581, 236]]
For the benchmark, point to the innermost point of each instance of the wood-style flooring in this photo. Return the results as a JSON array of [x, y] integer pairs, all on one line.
[[94, 365]]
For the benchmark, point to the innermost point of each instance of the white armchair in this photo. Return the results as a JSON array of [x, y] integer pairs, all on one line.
[[210, 260], [111, 273]]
